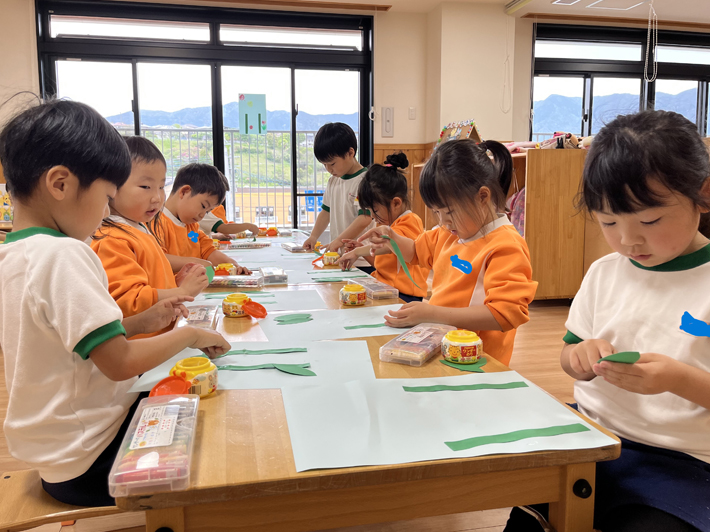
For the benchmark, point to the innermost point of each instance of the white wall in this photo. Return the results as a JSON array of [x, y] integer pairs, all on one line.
[[18, 55], [433, 75], [522, 78]]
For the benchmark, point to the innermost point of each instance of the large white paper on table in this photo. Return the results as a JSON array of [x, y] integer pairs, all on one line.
[[275, 300], [378, 423], [332, 363], [330, 325]]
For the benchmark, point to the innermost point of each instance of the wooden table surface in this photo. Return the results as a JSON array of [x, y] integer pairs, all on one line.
[[244, 478]]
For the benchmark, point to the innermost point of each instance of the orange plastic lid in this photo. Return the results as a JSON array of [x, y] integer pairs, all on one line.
[[254, 309], [172, 385]]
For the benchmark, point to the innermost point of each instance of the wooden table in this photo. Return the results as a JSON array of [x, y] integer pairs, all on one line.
[[244, 477]]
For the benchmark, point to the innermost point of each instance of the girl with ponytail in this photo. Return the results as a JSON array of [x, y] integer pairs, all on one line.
[[384, 192], [482, 274]]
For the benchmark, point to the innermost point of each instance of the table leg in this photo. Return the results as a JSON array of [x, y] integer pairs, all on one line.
[[574, 512], [165, 520]]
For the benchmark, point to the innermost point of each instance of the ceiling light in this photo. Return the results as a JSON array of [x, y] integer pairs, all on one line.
[[617, 5]]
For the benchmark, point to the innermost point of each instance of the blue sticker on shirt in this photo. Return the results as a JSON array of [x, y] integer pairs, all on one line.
[[460, 264], [192, 235], [694, 326]]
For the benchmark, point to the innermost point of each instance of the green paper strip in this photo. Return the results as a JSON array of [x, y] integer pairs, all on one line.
[[474, 368], [265, 351], [210, 273], [337, 279], [625, 357], [462, 445], [291, 319], [330, 272], [293, 369], [464, 387], [373, 326], [400, 258], [229, 367]]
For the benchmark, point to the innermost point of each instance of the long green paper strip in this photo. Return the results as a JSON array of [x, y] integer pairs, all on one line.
[[625, 357], [446, 388], [474, 368], [462, 445], [293, 369], [337, 279], [330, 272], [265, 351], [210, 273], [400, 258], [291, 319], [373, 326]]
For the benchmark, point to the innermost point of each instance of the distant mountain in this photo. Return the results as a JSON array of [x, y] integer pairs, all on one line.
[[563, 113], [202, 117]]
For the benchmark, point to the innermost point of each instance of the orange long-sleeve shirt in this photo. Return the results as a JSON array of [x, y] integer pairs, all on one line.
[[183, 240], [411, 226], [135, 265], [492, 268]]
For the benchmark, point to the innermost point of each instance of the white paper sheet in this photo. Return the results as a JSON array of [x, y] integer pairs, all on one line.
[[332, 363], [377, 423], [275, 300], [330, 325]]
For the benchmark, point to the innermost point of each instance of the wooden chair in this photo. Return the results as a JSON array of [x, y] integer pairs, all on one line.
[[24, 504]]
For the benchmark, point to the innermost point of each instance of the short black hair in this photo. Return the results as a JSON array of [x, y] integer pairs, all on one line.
[[61, 133], [334, 140], [383, 183], [144, 151], [202, 179]]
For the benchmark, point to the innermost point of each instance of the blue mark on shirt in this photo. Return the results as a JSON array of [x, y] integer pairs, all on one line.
[[192, 235], [460, 264], [694, 326]]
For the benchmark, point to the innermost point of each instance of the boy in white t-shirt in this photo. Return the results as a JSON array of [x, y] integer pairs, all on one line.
[[335, 146], [68, 365]]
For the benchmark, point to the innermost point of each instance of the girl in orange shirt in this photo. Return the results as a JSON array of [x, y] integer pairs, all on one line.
[[482, 274], [139, 274], [383, 191]]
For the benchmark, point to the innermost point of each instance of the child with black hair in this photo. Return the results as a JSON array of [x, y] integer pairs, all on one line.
[[647, 182], [68, 365], [384, 192], [139, 274], [335, 146], [216, 222], [198, 188], [482, 273]]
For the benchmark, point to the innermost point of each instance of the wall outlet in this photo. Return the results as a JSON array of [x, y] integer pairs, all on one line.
[[412, 113], [388, 121]]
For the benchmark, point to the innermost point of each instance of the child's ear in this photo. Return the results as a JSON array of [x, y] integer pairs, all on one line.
[[351, 152], [484, 195], [184, 191], [58, 181], [705, 193], [396, 203]]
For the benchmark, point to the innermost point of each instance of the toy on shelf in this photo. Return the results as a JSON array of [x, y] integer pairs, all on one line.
[[376, 289], [240, 306], [462, 347], [203, 317], [417, 345], [156, 451], [353, 295], [225, 268], [465, 129]]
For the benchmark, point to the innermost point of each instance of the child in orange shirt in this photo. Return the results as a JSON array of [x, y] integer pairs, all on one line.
[[198, 189], [482, 273], [216, 222], [383, 191], [139, 274]]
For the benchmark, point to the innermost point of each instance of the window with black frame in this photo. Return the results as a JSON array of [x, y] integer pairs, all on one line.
[[584, 77], [244, 90]]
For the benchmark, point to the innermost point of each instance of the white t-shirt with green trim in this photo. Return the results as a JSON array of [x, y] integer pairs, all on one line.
[[641, 309], [210, 223], [340, 200], [54, 309]]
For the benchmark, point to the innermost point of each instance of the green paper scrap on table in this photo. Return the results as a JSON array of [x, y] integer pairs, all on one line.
[[293, 369], [474, 368], [464, 387], [210, 273], [462, 445], [625, 357], [266, 351], [337, 279], [400, 258], [293, 319], [373, 326]]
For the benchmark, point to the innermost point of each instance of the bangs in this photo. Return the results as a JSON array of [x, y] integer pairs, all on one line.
[[430, 190]]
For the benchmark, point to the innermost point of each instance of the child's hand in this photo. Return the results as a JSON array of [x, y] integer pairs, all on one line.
[[194, 281], [220, 236], [349, 245], [209, 342], [409, 314], [241, 270], [253, 229], [334, 245], [163, 313], [375, 236], [310, 243], [346, 261], [585, 354], [652, 374]]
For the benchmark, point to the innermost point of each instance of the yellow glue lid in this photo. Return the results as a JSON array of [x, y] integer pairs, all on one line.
[[331, 254], [237, 298], [189, 367], [462, 336], [225, 266], [353, 288]]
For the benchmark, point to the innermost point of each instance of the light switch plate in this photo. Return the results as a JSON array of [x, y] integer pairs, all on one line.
[[388, 121], [412, 113]]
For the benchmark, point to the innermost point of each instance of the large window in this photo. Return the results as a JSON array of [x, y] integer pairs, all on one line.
[[597, 74], [244, 90]]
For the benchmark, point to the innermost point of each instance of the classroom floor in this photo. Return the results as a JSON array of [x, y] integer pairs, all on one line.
[[536, 356]]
